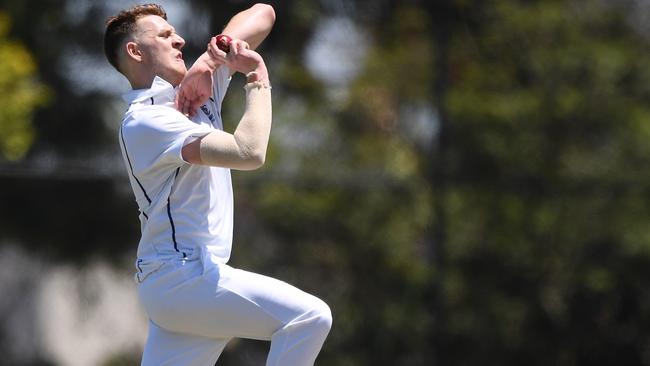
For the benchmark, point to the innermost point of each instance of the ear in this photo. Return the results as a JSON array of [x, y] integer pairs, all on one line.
[[133, 51]]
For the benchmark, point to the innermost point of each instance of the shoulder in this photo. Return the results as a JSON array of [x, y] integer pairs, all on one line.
[[154, 118]]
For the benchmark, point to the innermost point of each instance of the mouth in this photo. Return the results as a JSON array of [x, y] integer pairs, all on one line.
[[179, 57]]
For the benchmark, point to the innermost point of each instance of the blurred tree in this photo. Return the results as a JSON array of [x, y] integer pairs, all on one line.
[[64, 198], [23, 93], [342, 205], [527, 197], [548, 111]]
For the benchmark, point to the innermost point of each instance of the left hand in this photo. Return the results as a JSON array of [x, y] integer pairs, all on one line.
[[240, 58]]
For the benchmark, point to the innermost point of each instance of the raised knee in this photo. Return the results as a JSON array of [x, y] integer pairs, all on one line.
[[323, 317]]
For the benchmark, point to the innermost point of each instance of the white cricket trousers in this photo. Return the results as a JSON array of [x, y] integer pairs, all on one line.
[[195, 309]]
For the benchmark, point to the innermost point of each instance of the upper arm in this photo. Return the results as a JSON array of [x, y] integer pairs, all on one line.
[[252, 25], [191, 152], [157, 137]]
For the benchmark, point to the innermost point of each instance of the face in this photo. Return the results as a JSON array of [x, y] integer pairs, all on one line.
[[160, 48]]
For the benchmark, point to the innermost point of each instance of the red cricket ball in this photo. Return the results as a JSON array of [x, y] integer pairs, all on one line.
[[223, 42]]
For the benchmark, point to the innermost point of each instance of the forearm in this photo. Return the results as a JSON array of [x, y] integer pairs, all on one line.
[[252, 25], [205, 63], [246, 148]]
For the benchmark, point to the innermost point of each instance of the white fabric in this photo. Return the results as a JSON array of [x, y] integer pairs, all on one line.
[[195, 311], [195, 301], [198, 218]]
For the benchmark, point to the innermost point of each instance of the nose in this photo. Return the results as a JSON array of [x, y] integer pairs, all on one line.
[[178, 42]]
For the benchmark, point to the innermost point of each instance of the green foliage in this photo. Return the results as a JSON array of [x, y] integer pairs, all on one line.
[[126, 359], [544, 208], [347, 219], [22, 94], [548, 122]]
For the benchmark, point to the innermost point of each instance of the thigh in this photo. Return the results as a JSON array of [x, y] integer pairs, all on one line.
[[281, 301], [169, 348], [224, 302]]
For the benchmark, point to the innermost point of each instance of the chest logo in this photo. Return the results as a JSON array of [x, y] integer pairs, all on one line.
[[207, 112]]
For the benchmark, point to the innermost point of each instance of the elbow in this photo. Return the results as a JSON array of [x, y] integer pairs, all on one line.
[[267, 12], [249, 164], [252, 159], [257, 160]]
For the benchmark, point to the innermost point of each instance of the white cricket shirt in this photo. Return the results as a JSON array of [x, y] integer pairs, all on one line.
[[186, 211]]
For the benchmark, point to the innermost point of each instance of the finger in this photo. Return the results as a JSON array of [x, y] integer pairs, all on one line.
[[180, 97], [195, 105], [213, 44], [185, 109], [189, 107], [230, 57], [234, 48], [211, 52], [244, 47], [216, 53], [214, 49], [176, 100], [189, 110], [240, 46]]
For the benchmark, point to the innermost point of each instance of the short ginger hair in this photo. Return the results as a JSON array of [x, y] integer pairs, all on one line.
[[122, 25]]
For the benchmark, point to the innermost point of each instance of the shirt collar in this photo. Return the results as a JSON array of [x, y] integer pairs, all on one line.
[[161, 91]]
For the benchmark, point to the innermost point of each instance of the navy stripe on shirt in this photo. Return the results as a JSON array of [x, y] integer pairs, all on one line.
[[171, 219], [126, 152]]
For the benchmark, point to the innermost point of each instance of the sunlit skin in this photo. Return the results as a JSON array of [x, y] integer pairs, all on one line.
[[155, 50], [196, 86]]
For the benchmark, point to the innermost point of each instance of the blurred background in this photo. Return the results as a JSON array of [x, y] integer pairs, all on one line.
[[464, 182]]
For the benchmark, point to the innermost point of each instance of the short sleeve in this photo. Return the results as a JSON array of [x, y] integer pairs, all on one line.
[[156, 135], [220, 81]]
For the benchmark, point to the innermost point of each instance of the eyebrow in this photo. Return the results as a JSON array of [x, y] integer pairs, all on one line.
[[164, 30], [169, 29]]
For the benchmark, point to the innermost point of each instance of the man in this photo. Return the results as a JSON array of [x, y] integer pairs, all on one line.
[[179, 167]]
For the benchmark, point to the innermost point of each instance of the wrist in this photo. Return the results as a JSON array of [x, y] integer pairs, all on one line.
[[207, 62], [258, 74]]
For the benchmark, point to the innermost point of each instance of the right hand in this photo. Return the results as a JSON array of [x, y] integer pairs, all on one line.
[[196, 86], [240, 58]]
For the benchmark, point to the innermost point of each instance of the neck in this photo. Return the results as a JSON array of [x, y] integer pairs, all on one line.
[[141, 81]]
